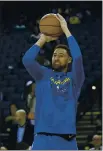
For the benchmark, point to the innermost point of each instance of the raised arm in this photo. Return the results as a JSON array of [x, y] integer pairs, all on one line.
[[77, 64], [32, 66]]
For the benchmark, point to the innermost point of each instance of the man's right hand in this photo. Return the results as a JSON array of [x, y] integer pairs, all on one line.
[[43, 39], [9, 118], [48, 38]]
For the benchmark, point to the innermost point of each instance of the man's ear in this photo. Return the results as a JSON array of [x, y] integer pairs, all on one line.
[[69, 60]]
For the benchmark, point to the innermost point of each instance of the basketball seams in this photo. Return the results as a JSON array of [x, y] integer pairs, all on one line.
[[50, 18], [50, 25], [57, 34]]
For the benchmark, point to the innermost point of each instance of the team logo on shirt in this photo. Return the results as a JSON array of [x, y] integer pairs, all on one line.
[[60, 87], [57, 82]]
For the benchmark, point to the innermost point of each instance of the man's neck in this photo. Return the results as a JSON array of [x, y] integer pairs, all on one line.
[[63, 71]]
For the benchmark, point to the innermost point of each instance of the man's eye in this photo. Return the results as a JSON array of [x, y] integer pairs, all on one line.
[[58, 56], [61, 56]]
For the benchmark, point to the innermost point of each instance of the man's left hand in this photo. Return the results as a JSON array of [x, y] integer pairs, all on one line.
[[63, 23]]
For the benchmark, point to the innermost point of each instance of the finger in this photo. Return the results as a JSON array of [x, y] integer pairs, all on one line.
[[60, 16], [57, 17], [55, 38], [42, 35]]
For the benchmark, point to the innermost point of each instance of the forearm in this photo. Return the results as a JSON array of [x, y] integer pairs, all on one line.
[[31, 55], [73, 46], [72, 43], [67, 32], [77, 64], [40, 43], [30, 63]]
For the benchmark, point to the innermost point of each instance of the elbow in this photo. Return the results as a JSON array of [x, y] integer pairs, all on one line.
[[30, 55], [26, 60]]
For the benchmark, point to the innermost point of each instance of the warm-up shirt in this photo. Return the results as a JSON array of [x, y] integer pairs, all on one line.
[[56, 92]]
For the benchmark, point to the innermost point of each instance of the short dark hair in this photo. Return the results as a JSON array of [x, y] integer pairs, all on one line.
[[13, 103], [64, 47]]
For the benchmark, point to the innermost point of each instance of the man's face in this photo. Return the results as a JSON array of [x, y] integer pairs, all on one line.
[[60, 59], [97, 141], [18, 117]]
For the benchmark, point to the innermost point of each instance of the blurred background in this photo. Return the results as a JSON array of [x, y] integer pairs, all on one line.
[[19, 30]]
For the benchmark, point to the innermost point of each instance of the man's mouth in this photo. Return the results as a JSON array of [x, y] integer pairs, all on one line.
[[56, 63]]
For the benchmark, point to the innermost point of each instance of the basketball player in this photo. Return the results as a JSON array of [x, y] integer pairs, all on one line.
[[57, 92]]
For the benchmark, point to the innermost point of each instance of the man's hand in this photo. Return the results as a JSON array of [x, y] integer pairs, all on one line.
[[9, 118], [47, 38], [43, 39], [64, 25]]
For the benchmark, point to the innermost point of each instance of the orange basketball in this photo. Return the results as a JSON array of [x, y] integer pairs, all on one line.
[[50, 25]]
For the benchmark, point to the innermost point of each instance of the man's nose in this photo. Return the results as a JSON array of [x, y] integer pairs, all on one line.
[[56, 58]]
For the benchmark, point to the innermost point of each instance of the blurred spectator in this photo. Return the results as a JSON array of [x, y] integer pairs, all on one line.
[[31, 99], [11, 118], [88, 12], [8, 122], [31, 103], [66, 11], [79, 15], [21, 22], [74, 20], [54, 10], [23, 131], [37, 22], [88, 144], [35, 35], [46, 62], [36, 30], [42, 60], [97, 142], [67, 14], [60, 11], [98, 122]]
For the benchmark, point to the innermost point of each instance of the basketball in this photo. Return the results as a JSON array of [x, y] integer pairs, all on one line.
[[50, 26]]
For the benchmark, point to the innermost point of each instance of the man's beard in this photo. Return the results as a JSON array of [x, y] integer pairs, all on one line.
[[59, 68]]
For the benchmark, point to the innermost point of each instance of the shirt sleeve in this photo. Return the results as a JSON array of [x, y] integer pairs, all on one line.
[[36, 70], [77, 64]]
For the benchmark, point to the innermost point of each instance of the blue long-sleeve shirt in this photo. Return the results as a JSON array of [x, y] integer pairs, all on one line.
[[56, 92]]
